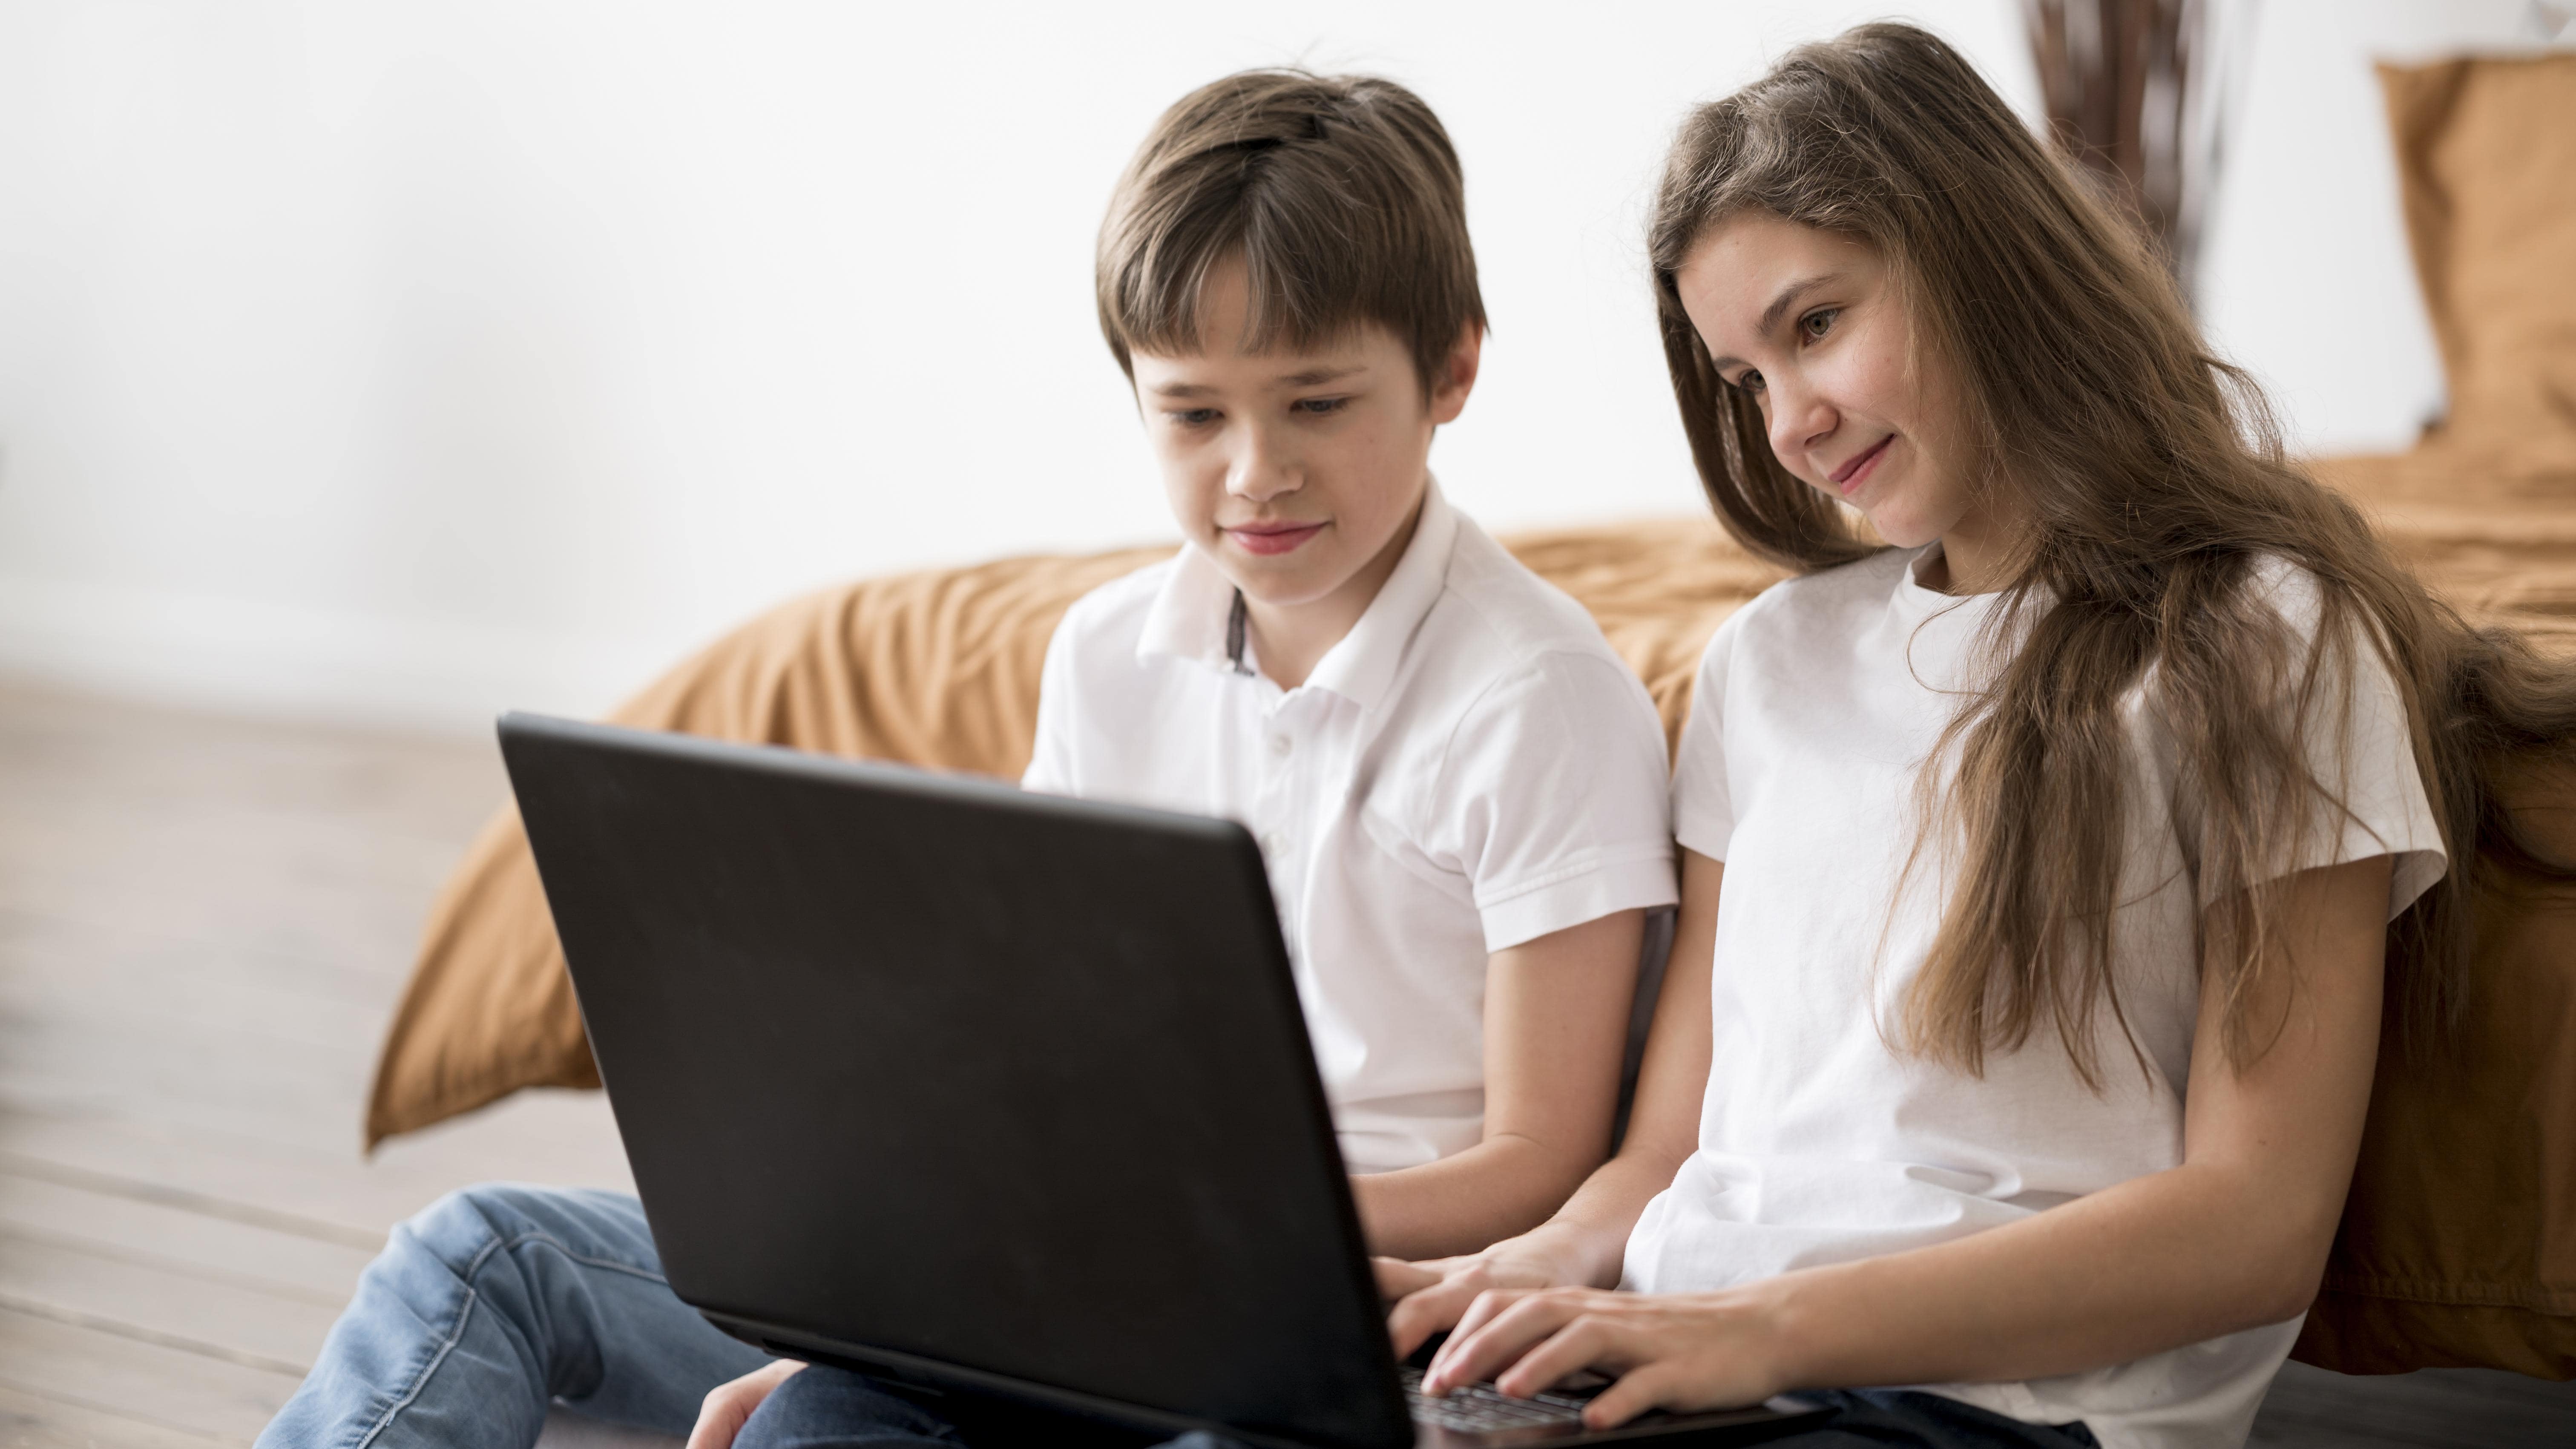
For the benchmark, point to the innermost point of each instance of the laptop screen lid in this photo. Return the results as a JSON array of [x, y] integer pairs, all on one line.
[[934, 1073]]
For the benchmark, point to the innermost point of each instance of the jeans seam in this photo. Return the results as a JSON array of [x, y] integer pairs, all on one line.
[[465, 1314]]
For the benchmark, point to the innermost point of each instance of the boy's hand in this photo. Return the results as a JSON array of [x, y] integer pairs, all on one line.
[[1433, 1297], [728, 1406]]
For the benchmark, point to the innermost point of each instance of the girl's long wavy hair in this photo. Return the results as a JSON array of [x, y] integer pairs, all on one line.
[[2153, 478]]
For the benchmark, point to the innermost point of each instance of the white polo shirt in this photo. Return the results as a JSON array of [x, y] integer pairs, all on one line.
[[1471, 767]]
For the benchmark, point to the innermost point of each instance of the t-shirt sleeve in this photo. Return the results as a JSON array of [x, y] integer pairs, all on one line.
[[1051, 766], [1703, 807], [2360, 747], [1552, 800]]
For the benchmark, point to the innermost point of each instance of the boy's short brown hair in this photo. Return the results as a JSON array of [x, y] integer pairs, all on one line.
[[1341, 194]]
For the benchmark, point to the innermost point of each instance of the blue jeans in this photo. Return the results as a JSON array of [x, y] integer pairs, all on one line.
[[830, 1408], [495, 1301], [491, 1303]]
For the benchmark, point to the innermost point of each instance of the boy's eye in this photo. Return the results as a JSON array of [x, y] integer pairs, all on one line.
[[1193, 417], [1819, 322], [1319, 406]]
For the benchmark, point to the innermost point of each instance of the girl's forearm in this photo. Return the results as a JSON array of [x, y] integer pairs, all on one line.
[[1592, 1228], [2157, 1262]]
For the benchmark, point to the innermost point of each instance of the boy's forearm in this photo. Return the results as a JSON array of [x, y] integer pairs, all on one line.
[[1502, 1186]]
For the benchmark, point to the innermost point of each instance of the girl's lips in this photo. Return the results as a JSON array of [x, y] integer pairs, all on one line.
[[1273, 539], [1849, 475]]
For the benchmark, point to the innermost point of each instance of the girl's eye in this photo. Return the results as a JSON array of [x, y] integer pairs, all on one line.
[[1194, 417], [1749, 382], [1819, 322], [1319, 406]]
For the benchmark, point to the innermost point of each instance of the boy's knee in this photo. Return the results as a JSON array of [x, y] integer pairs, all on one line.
[[462, 1226]]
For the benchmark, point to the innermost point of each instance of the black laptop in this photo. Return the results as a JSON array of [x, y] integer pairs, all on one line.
[[991, 1093]]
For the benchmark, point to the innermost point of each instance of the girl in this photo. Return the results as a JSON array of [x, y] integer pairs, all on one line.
[[2040, 853]]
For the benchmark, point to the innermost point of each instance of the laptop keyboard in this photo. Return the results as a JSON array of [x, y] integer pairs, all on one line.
[[1480, 1408]]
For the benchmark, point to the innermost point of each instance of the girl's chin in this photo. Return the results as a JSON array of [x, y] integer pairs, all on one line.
[[1899, 529]]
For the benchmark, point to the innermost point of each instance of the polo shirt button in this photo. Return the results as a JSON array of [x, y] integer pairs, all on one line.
[[1280, 745]]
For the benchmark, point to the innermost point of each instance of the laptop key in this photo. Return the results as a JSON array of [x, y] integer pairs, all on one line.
[[1482, 1407]]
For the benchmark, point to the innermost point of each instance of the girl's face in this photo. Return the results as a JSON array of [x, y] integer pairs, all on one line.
[[1811, 325]]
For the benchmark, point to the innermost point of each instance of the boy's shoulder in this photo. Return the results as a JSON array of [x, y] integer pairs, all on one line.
[[1501, 616]]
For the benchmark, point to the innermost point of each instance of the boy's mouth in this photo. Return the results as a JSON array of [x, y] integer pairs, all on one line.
[[1272, 538]]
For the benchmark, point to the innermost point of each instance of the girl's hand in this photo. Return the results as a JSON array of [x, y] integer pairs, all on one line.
[[1435, 1295], [1682, 1352], [728, 1406]]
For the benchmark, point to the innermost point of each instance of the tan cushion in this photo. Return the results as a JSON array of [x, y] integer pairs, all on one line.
[[2460, 1243], [930, 669], [2486, 154]]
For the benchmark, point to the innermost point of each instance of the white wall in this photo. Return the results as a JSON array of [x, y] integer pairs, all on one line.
[[2306, 276], [412, 360]]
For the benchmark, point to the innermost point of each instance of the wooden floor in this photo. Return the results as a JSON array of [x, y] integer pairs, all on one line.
[[203, 925]]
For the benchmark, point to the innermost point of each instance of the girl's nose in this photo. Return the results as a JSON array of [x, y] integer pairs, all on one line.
[[1799, 419]]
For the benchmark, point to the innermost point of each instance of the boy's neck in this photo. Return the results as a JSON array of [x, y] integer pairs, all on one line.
[[1289, 640]]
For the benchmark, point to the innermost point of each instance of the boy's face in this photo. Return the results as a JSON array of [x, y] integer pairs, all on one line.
[[1298, 472]]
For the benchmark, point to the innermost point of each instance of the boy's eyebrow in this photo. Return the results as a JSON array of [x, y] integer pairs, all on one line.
[[1318, 376], [1779, 308], [1311, 377]]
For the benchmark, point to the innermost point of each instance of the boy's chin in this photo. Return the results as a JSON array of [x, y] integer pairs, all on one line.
[[1284, 589]]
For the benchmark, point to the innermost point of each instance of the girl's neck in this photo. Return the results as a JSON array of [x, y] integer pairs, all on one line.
[[1976, 551]]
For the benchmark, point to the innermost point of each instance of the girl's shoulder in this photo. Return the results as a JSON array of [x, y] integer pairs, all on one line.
[[1827, 600], [2287, 587]]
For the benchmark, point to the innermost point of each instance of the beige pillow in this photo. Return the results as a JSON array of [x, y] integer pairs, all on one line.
[[930, 669], [2486, 154]]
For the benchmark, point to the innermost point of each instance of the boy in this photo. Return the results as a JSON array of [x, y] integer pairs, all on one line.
[[1458, 788]]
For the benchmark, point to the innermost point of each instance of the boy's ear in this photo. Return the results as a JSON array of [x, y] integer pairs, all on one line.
[[1457, 376]]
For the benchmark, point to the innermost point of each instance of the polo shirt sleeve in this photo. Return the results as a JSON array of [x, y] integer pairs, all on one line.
[[1051, 759], [1552, 793], [1703, 804]]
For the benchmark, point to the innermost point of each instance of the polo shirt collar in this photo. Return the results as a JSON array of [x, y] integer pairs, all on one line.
[[1363, 664], [1189, 618], [1189, 615]]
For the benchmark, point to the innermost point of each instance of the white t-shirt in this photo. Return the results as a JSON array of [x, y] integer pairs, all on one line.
[[1471, 767], [1818, 702]]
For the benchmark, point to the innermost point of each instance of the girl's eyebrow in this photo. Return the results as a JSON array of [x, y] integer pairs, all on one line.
[[1779, 308], [1789, 296]]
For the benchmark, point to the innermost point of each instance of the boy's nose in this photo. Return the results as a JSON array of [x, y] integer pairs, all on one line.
[[1261, 471]]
